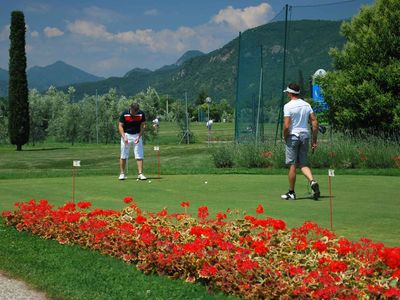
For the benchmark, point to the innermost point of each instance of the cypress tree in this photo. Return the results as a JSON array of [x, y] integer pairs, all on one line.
[[18, 122]]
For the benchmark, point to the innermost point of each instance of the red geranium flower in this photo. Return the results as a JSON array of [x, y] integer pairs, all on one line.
[[162, 213], [221, 216], [260, 209], [128, 199], [207, 270], [319, 246], [84, 204], [140, 219], [6, 213], [185, 204], [203, 212]]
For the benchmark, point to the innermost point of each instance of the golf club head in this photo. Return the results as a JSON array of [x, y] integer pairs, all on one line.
[[322, 129]]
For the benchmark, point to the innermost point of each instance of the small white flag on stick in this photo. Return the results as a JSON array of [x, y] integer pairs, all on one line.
[[76, 163], [331, 172], [156, 148]]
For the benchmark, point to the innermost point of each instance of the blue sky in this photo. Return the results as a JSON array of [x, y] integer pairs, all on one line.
[[109, 38]]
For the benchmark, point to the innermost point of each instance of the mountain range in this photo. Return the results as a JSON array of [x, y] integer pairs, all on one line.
[[308, 44], [56, 74], [307, 49]]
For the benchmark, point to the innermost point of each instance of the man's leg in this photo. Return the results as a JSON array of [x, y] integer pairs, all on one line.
[[122, 161], [292, 177], [138, 149], [290, 159], [313, 184], [122, 165], [139, 163], [307, 173]]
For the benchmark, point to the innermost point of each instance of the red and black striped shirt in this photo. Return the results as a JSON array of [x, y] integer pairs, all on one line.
[[131, 123]]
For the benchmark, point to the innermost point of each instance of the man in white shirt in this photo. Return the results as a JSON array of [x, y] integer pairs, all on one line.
[[297, 114]]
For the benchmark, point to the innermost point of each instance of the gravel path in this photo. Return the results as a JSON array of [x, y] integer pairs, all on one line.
[[13, 289]]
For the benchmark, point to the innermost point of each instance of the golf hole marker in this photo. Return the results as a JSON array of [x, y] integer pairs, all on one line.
[[75, 164], [331, 173], [157, 148]]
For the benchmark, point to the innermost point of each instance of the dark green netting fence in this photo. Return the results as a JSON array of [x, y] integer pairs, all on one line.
[[280, 53]]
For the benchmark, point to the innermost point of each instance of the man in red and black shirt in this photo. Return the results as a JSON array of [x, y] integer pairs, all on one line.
[[131, 125]]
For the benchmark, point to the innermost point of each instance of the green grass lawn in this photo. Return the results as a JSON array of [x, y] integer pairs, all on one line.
[[363, 206]]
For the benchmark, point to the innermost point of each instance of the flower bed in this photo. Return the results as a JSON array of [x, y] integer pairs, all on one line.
[[251, 257]]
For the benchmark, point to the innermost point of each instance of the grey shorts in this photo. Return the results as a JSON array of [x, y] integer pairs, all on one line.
[[297, 148]]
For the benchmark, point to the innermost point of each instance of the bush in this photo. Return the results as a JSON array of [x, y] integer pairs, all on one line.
[[342, 152], [223, 156]]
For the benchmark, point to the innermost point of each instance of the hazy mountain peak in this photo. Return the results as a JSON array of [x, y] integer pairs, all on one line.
[[137, 71], [188, 55], [58, 74]]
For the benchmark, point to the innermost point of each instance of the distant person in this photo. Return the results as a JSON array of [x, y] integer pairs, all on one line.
[[156, 124], [297, 114], [209, 124], [131, 125]]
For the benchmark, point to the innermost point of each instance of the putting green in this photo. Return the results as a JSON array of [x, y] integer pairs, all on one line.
[[363, 206]]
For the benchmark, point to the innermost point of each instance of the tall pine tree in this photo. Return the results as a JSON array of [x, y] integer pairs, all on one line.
[[18, 122]]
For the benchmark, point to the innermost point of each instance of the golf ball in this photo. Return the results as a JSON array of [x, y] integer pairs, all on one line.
[[149, 181], [205, 182], [137, 179]]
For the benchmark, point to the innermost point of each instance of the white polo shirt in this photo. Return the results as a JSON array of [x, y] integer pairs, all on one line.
[[299, 112]]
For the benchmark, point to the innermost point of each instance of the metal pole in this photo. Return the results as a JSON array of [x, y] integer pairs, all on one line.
[[259, 98], [73, 184], [187, 121], [330, 201], [159, 163], [237, 114], [97, 120], [280, 114], [209, 127], [167, 105]]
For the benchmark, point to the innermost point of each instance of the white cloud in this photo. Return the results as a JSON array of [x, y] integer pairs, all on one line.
[[169, 40], [206, 37], [152, 12], [143, 37], [90, 29], [34, 34], [165, 40], [242, 19], [52, 31], [153, 47]]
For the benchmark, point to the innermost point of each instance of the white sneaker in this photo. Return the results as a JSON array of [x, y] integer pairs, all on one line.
[[289, 196], [141, 177], [315, 189], [122, 176]]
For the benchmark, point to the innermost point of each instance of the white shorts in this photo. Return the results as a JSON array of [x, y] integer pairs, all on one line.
[[137, 148]]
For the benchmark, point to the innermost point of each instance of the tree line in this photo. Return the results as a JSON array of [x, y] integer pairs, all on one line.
[[56, 115]]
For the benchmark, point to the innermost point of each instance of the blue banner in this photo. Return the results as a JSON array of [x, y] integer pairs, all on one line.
[[318, 99]]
